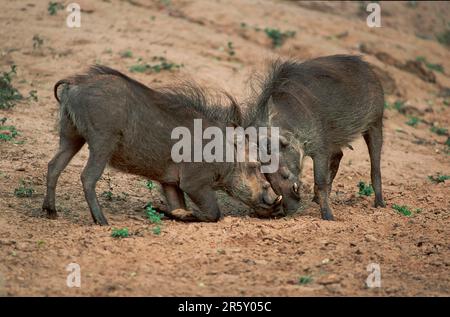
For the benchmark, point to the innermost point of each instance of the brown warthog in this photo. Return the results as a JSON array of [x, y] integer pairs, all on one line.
[[129, 126], [320, 106]]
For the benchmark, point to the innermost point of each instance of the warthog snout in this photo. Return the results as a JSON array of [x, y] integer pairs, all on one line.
[[271, 202]]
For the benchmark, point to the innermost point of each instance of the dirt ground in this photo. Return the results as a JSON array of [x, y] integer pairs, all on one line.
[[240, 255]]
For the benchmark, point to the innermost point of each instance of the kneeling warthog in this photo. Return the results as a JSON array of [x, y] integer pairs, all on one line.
[[320, 106], [129, 126]]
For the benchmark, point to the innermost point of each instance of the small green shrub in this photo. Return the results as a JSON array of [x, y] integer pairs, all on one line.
[[439, 131], [438, 178], [413, 121], [126, 54], [444, 38], [120, 233], [8, 94], [305, 279], [405, 210], [163, 64], [365, 190], [25, 189], [436, 67], [54, 7], [278, 37], [7, 132]]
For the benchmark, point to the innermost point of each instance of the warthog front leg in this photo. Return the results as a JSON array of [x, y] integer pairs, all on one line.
[[334, 167], [321, 184], [205, 199], [177, 203]]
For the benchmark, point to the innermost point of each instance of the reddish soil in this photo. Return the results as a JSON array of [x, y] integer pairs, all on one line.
[[239, 255]]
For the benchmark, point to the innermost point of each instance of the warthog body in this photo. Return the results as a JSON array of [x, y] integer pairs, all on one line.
[[129, 126], [320, 105]]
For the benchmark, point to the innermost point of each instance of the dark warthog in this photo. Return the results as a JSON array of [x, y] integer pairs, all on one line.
[[129, 126], [320, 106]]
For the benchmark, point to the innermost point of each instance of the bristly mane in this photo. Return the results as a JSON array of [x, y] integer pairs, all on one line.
[[218, 106], [281, 79]]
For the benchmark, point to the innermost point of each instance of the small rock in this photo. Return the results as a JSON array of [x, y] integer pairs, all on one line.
[[370, 238], [329, 279]]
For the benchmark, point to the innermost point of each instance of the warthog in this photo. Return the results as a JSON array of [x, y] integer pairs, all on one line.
[[129, 125], [320, 105]]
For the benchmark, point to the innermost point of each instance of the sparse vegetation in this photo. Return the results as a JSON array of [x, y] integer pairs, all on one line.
[[398, 105], [37, 41], [152, 214], [436, 67], [365, 190], [107, 194], [278, 37], [438, 178], [149, 184], [126, 54], [8, 94], [54, 7], [305, 279], [163, 64], [120, 233], [7, 132], [439, 130], [444, 38], [405, 210], [230, 49], [25, 189], [413, 121]]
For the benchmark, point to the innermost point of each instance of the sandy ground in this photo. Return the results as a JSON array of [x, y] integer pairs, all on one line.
[[240, 255]]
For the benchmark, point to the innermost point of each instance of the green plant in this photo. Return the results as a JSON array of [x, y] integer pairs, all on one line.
[[413, 121], [152, 214], [126, 54], [156, 230], [444, 38], [8, 94], [25, 189], [439, 131], [438, 178], [53, 7], [437, 67], [33, 95], [365, 190], [162, 65], [108, 195], [149, 184], [398, 105], [305, 279], [278, 37], [120, 233], [405, 210], [37, 41], [7, 132], [230, 49]]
